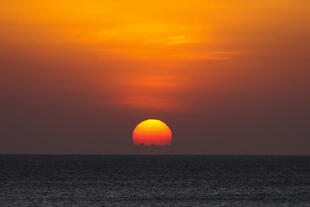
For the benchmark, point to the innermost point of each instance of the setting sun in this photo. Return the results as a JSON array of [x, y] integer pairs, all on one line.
[[152, 132]]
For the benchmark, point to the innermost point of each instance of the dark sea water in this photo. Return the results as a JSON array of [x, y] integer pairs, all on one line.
[[91, 180]]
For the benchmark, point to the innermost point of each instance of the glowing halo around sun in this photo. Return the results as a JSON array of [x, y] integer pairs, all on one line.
[[152, 132]]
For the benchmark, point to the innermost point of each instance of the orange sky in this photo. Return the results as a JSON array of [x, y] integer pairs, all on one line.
[[155, 57], [156, 37]]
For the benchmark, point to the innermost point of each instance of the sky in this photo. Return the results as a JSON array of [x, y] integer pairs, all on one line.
[[227, 76]]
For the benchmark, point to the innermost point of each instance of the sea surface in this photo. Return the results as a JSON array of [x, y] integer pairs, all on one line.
[[154, 180]]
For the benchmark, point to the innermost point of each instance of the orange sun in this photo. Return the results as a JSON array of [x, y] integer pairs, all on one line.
[[152, 132]]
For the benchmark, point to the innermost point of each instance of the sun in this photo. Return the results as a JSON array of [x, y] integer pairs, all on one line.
[[152, 132]]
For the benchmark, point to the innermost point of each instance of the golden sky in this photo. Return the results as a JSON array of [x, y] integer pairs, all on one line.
[[228, 76], [152, 54]]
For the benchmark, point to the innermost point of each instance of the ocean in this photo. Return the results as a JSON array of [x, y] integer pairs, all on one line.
[[154, 180]]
